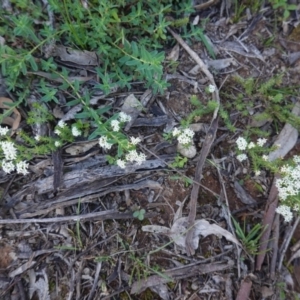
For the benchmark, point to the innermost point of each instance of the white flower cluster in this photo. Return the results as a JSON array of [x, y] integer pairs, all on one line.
[[122, 118], [242, 145], [288, 186], [211, 88], [285, 211], [184, 136], [60, 124], [3, 130], [115, 124], [104, 143], [10, 154], [75, 131], [135, 141], [131, 156]]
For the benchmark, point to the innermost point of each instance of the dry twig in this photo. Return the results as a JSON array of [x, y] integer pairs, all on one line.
[[207, 143]]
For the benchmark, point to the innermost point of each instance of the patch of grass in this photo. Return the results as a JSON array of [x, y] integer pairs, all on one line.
[[250, 240]]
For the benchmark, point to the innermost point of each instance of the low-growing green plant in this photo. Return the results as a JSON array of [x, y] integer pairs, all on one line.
[[273, 98], [109, 28], [179, 161], [284, 6], [250, 240], [139, 214], [126, 37]]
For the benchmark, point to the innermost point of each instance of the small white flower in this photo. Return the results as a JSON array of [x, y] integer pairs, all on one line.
[[131, 156], [257, 173], [261, 142], [57, 131], [251, 145], [140, 158], [285, 211], [241, 143], [211, 88], [189, 132], [123, 117], [9, 150], [176, 131], [296, 159], [57, 143], [103, 142], [296, 207], [37, 137], [22, 168], [3, 130], [8, 166], [241, 157], [184, 139], [75, 131], [265, 157], [121, 163], [135, 141], [61, 124], [115, 124]]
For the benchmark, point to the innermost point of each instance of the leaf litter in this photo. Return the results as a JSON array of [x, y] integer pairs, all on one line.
[[76, 211]]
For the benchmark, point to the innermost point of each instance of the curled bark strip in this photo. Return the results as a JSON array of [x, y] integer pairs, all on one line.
[[244, 290], [267, 223]]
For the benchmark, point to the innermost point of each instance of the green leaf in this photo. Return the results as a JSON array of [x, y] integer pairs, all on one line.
[[94, 134], [73, 102], [82, 115]]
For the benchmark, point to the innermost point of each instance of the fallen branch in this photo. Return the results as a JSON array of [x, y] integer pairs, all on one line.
[[100, 216]]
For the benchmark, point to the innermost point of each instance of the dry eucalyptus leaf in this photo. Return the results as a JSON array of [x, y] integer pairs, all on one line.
[[174, 54], [287, 138], [70, 115], [40, 286], [201, 227], [132, 105], [179, 229], [220, 64], [236, 47], [13, 121], [81, 147], [57, 112], [86, 58]]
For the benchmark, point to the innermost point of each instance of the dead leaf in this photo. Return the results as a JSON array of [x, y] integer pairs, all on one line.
[[40, 286], [174, 54], [287, 138], [81, 147], [22, 268], [86, 58], [242, 194], [220, 64], [247, 50], [13, 121], [179, 229]]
